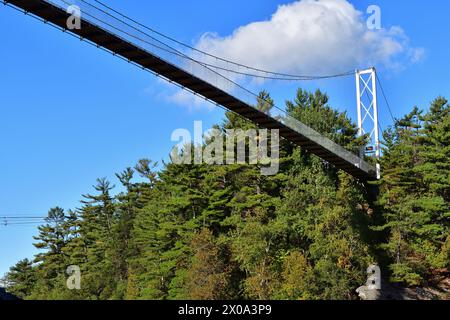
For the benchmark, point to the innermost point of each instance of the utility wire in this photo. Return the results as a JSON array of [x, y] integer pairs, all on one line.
[[22, 217], [12, 220], [34, 225], [17, 220], [19, 223]]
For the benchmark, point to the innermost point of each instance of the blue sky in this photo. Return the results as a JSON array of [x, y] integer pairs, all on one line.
[[70, 113]]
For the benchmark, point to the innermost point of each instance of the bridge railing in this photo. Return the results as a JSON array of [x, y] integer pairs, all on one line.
[[216, 71]]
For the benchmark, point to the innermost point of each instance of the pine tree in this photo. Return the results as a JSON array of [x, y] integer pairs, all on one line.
[[313, 110], [228, 232], [21, 279], [97, 229], [415, 193], [207, 277], [52, 238]]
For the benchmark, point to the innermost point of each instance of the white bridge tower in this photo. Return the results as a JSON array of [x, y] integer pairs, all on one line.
[[367, 104]]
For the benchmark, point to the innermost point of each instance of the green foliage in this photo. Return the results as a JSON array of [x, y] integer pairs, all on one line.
[[207, 276], [415, 193], [227, 232], [21, 279]]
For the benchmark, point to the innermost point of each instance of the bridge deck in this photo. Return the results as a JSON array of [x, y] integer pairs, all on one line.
[[295, 132]]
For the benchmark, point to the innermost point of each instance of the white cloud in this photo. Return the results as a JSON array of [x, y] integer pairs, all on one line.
[[417, 54], [314, 37], [183, 98], [305, 37]]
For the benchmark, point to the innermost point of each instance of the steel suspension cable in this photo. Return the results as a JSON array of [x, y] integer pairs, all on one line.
[[279, 76]]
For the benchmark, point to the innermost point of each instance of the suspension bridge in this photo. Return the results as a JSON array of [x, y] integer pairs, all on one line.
[[210, 77]]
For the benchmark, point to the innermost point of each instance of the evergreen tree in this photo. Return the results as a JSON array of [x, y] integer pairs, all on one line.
[[207, 277], [21, 279], [414, 195], [97, 228], [228, 232]]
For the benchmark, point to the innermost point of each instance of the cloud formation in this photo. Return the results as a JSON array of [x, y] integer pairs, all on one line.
[[314, 37], [185, 98], [173, 94]]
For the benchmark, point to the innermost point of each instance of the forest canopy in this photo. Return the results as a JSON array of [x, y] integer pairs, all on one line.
[[228, 232]]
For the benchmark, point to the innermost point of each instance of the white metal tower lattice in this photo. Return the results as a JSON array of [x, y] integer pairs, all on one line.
[[367, 104]]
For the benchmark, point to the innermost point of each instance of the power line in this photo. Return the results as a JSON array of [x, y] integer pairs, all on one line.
[[23, 217], [15, 222], [16, 225], [8, 220], [19, 220], [20, 223]]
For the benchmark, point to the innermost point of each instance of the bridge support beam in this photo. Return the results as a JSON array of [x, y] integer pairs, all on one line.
[[367, 106]]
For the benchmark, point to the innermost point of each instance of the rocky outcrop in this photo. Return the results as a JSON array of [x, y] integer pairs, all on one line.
[[439, 290]]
